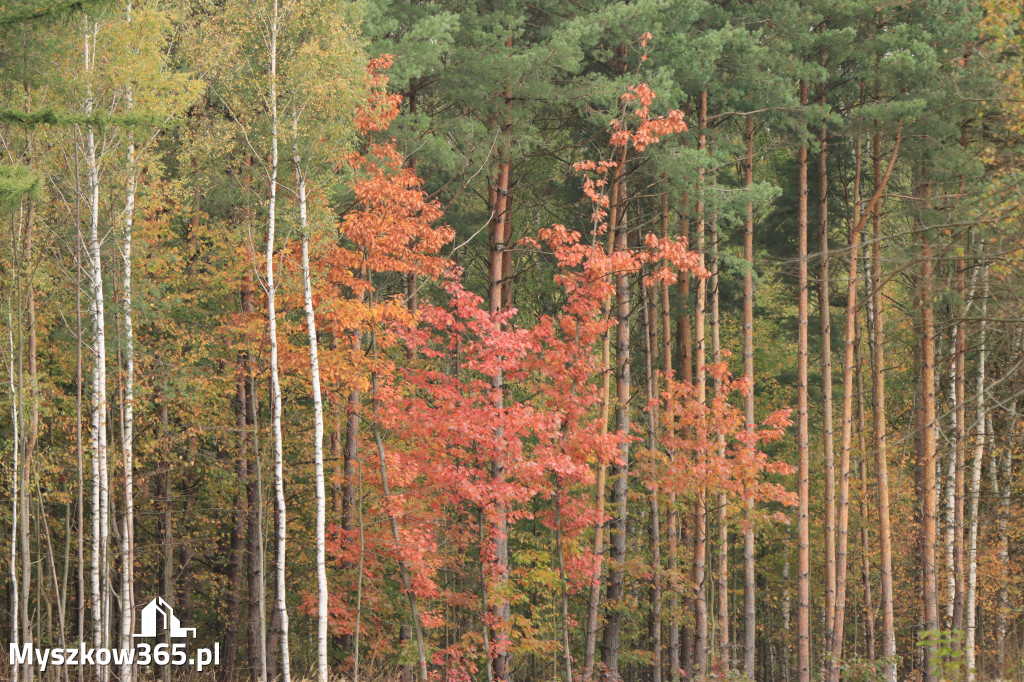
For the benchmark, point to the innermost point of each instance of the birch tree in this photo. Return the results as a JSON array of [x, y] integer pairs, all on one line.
[[980, 442], [318, 416]]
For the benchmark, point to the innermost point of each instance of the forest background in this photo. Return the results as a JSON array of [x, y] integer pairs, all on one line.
[[516, 341]]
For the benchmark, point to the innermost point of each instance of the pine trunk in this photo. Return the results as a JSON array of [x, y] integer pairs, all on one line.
[[828, 446], [927, 453], [749, 585], [594, 601], [803, 460], [878, 400], [500, 609], [724, 660], [846, 425], [865, 544], [652, 378], [611, 643], [858, 220]]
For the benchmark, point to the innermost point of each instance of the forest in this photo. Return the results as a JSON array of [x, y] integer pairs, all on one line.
[[593, 340]]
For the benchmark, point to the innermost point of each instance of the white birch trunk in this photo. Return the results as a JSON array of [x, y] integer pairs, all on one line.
[[275, 380], [951, 488], [127, 454], [976, 469], [101, 491], [318, 421]]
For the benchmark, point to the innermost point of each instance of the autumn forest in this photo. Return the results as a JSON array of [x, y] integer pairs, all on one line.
[[603, 340]]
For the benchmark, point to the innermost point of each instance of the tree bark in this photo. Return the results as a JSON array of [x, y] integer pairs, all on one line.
[[858, 219], [678, 633], [749, 585], [257, 626], [950, 487], [594, 600], [15, 496], [164, 516], [803, 460], [128, 425], [617, 556], [318, 418], [500, 609], [79, 444], [927, 454], [671, 517], [980, 441], [652, 378], [724, 662], [878, 400], [280, 515], [828, 446], [869, 611], [960, 436], [700, 653], [235, 571]]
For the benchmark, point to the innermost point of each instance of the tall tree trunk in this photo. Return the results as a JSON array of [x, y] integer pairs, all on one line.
[[878, 395], [927, 454], [617, 556], [235, 571], [803, 460], [255, 573], [318, 418], [403, 570], [562, 580], [980, 441], [501, 608], [950, 488], [164, 516], [724, 662], [98, 436], [594, 601], [683, 649], [351, 443], [79, 444], [960, 437], [828, 447], [30, 433], [1003, 525], [858, 219], [700, 653], [869, 610], [749, 585], [280, 515], [846, 426], [15, 496], [652, 379], [128, 425], [671, 519]]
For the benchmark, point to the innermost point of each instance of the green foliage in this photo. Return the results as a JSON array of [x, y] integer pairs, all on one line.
[[950, 664], [18, 183], [64, 10]]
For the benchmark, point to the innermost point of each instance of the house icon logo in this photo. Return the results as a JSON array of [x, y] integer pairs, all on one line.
[[157, 616]]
